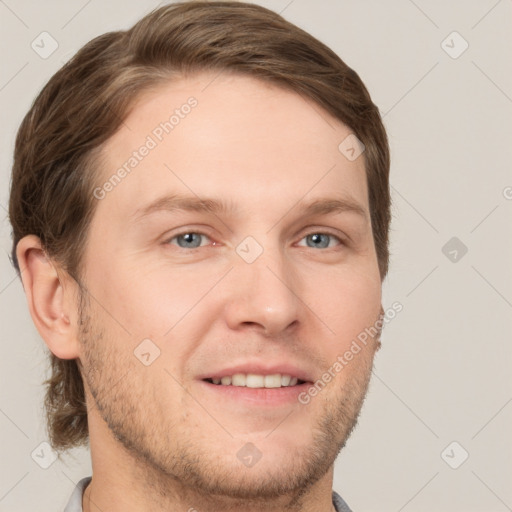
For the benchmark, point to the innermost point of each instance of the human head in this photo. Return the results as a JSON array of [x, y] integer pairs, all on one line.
[[58, 148]]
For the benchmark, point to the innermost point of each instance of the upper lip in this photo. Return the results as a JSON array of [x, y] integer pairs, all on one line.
[[259, 368]]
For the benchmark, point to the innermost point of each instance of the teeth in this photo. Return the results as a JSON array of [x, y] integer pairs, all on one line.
[[273, 381], [252, 380], [238, 379]]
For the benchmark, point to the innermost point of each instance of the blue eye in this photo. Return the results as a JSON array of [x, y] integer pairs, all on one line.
[[188, 240], [320, 240], [316, 240]]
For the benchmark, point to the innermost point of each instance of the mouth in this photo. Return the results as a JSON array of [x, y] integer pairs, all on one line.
[[262, 390], [256, 381]]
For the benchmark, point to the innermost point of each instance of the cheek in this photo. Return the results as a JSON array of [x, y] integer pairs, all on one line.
[[349, 302], [137, 303], [155, 301]]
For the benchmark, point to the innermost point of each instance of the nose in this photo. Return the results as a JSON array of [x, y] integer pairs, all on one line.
[[264, 295]]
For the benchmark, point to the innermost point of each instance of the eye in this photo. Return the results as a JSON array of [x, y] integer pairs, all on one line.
[[321, 240], [188, 240], [193, 240]]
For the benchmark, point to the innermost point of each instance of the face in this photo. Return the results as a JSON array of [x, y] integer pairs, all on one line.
[[266, 283]]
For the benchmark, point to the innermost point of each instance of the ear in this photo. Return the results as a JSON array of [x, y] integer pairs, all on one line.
[[381, 318], [51, 298]]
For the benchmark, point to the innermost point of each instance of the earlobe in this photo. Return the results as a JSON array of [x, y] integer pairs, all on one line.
[[50, 298]]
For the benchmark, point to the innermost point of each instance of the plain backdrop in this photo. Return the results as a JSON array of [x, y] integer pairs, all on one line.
[[434, 433]]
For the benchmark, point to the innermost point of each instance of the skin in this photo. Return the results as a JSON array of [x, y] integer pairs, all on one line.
[[158, 440]]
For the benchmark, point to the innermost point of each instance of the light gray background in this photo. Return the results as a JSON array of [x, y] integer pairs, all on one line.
[[443, 374]]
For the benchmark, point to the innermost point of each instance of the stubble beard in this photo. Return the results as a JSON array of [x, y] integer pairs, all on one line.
[[171, 463]]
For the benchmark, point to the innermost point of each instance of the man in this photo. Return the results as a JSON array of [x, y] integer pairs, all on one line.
[[200, 209]]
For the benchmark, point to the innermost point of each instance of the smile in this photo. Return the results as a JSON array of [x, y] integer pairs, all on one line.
[[252, 380]]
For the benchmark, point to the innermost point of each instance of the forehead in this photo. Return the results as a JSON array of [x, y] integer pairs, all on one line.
[[227, 136]]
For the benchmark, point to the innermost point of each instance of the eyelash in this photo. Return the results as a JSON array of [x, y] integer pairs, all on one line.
[[332, 235]]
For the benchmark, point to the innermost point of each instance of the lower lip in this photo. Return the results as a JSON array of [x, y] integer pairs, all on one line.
[[257, 396]]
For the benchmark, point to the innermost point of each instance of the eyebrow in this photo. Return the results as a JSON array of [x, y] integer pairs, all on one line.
[[216, 206]]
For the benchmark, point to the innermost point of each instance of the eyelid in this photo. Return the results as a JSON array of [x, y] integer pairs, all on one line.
[[313, 230]]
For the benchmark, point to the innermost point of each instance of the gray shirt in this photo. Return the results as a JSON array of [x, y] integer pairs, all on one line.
[[75, 502]]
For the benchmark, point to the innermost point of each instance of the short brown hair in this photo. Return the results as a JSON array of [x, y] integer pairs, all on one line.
[[85, 102]]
